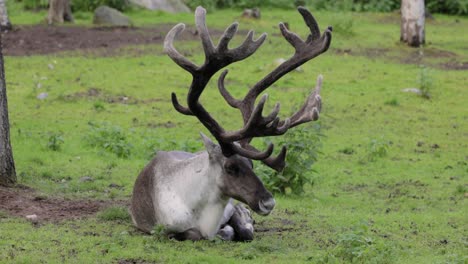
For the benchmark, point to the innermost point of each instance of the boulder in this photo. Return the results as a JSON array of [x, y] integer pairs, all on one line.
[[105, 15], [251, 13], [172, 6]]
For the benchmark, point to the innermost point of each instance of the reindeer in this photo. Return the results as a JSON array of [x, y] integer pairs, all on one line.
[[190, 194]]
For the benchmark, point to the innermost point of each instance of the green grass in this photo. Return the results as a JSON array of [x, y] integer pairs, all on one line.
[[404, 206]]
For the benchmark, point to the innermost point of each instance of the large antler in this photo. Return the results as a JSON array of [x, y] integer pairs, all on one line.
[[255, 124]]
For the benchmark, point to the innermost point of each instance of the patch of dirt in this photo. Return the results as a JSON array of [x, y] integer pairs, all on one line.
[[42, 39], [453, 65], [95, 93], [22, 201], [416, 56], [133, 261], [369, 52]]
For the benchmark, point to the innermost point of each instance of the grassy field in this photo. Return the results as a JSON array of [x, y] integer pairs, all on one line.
[[391, 181]]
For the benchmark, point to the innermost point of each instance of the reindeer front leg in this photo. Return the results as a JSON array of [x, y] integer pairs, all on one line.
[[240, 225]]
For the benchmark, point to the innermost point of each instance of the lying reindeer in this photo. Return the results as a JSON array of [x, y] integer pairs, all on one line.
[[190, 194]]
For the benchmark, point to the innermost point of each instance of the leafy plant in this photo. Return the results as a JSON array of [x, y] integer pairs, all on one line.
[[343, 23], [35, 4], [426, 82], [220, 4], [55, 141], [91, 5], [99, 106], [375, 150], [110, 138], [392, 102], [347, 151], [458, 7], [303, 145], [359, 246]]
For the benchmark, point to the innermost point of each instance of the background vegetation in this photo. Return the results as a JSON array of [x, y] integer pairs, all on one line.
[[457, 7], [391, 182]]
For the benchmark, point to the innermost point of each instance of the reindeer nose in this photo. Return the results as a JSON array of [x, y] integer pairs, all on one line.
[[266, 206]]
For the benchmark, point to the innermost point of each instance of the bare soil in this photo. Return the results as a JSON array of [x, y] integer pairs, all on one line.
[[22, 201], [110, 41], [42, 39]]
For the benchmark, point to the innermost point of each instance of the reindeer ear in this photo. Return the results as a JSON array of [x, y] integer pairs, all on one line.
[[211, 147]]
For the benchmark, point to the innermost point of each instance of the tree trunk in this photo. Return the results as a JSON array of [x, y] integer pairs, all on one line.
[[7, 165], [412, 22], [4, 21], [59, 11]]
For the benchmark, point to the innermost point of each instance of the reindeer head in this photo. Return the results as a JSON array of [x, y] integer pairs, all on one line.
[[237, 179], [234, 152]]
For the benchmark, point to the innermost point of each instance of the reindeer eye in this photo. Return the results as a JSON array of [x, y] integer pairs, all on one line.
[[232, 169]]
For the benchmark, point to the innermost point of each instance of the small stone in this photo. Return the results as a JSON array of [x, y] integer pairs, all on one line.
[[115, 185], [42, 96], [32, 218], [105, 15], [412, 90], [251, 13], [86, 179]]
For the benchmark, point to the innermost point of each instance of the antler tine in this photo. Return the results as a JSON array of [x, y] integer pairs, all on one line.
[[181, 109], [291, 37], [253, 153], [305, 51], [227, 36], [173, 53], [310, 21], [227, 96], [311, 108], [200, 21], [248, 47], [257, 125], [277, 163]]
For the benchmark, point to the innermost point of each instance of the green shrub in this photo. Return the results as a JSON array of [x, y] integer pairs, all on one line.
[[343, 24], [91, 5], [426, 82], [220, 4], [303, 145], [109, 138], [456, 7], [375, 150], [360, 246], [392, 102], [55, 141], [35, 4]]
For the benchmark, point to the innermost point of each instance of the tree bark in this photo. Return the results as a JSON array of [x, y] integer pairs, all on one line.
[[7, 165], [59, 12], [4, 21], [412, 22]]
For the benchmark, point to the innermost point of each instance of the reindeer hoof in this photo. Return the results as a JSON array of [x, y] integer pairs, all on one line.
[[227, 233]]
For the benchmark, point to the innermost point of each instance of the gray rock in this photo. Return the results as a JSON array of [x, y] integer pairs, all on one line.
[[412, 90], [32, 218], [251, 13], [42, 96], [172, 6], [105, 15], [86, 179]]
